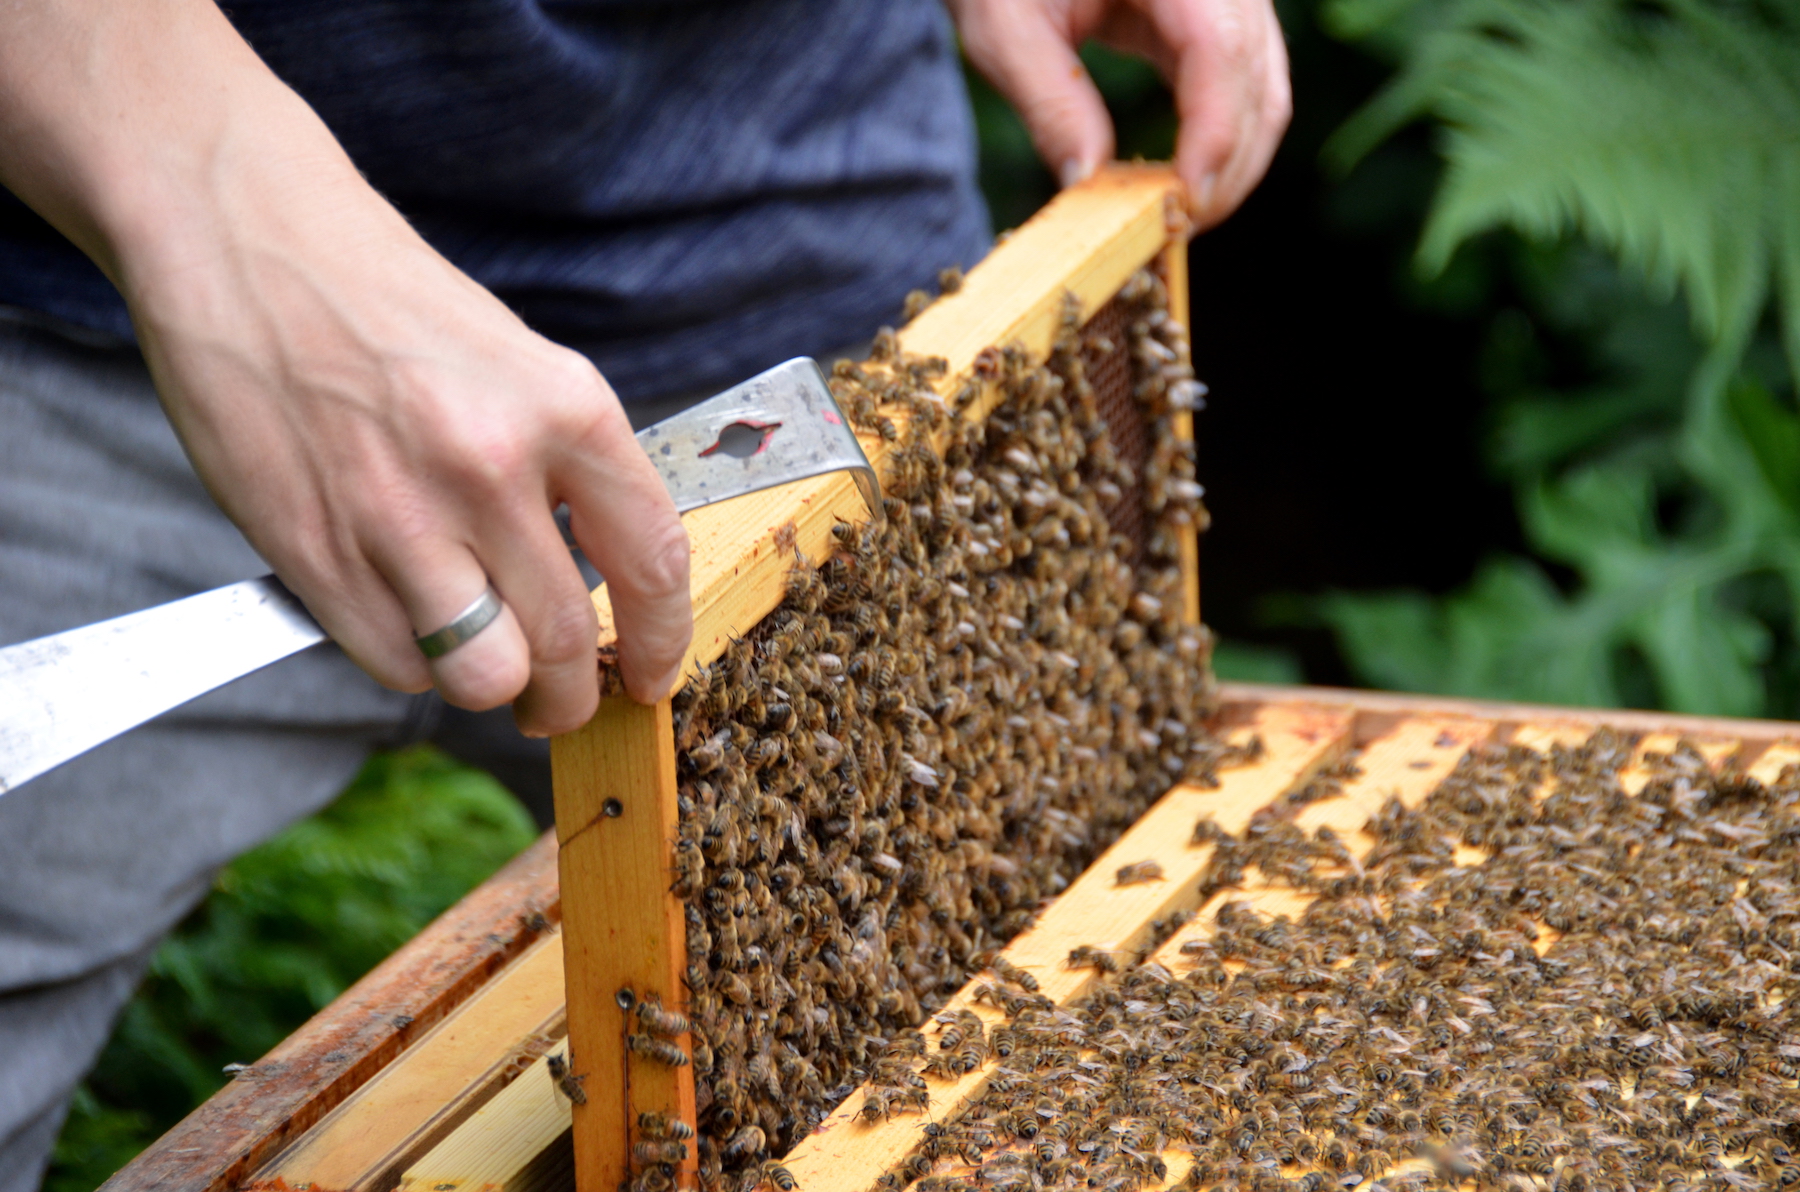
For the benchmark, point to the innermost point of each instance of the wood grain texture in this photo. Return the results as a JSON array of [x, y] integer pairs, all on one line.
[[1086, 242], [624, 934], [500, 1144], [847, 1155], [410, 1105], [289, 1090]]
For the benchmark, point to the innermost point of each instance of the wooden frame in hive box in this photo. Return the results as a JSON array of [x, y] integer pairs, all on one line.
[[432, 1072]]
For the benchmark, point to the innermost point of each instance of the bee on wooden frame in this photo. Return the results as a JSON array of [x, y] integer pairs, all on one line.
[[568, 1082]]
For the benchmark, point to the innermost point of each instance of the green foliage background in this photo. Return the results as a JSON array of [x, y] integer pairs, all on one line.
[[288, 927], [1634, 170], [1617, 201]]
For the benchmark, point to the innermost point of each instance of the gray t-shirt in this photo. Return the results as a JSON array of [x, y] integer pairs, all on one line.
[[688, 192]]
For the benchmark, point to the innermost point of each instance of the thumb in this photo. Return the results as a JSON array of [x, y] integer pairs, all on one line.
[[1033, 64]]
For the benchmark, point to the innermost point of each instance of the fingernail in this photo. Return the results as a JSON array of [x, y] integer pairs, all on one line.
[[1204, 199], [1075, 170], [534, 734]]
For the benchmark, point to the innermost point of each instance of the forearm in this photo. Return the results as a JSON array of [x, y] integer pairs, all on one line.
[[141, 129]]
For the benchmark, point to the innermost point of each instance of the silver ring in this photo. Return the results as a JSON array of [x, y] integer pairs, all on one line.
[[468, 623]]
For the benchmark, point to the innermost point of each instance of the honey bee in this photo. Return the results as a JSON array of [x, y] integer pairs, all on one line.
[[746, 1143], [659, 1152], [875, 1105], [652, 1179], [1138, 872], [916, 1099], [568, 1082], [709, 756], [916, 1167], [659, 1050], [690, 869], [964, 1026], [1088, 956], [659, 1021], [781, 1177]]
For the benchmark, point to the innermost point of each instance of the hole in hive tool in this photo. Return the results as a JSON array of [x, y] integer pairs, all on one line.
[[741, 440]]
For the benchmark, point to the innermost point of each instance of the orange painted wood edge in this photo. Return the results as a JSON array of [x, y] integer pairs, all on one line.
[[1393, 703], [624, 931], [250, 1120]]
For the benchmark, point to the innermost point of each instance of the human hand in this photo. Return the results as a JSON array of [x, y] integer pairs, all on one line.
[[386, 433], [1225, 60], [391, 438]]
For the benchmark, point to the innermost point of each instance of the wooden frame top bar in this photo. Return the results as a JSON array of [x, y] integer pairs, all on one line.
[[1085, 242]]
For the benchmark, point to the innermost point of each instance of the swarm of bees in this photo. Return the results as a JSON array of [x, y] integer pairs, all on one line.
[[1608, 1000], [940, 727]]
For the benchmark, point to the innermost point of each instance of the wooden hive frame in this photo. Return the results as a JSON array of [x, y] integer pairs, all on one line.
[[615, 780], [433, 1072], [468, 1104]]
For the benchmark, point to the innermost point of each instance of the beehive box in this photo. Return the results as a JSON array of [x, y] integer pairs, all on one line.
[[818, 843]]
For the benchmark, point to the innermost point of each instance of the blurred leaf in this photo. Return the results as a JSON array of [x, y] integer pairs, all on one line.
[[1664, 475], [1773, 434], [96, 1141], [1509, 635], [1244, 662], [1661, 131]]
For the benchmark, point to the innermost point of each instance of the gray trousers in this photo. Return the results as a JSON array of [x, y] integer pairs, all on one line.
[[100, 514]]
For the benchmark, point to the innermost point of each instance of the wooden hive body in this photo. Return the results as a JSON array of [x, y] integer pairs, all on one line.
[[436, 1070]]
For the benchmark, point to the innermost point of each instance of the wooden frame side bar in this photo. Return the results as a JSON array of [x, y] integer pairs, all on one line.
[[1175, 280], [624, 933], [285, 1093]]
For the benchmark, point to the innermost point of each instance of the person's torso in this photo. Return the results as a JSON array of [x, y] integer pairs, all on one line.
[[666, 185]]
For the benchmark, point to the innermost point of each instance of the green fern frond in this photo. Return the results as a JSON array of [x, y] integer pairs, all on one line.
[[1670, 135]]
